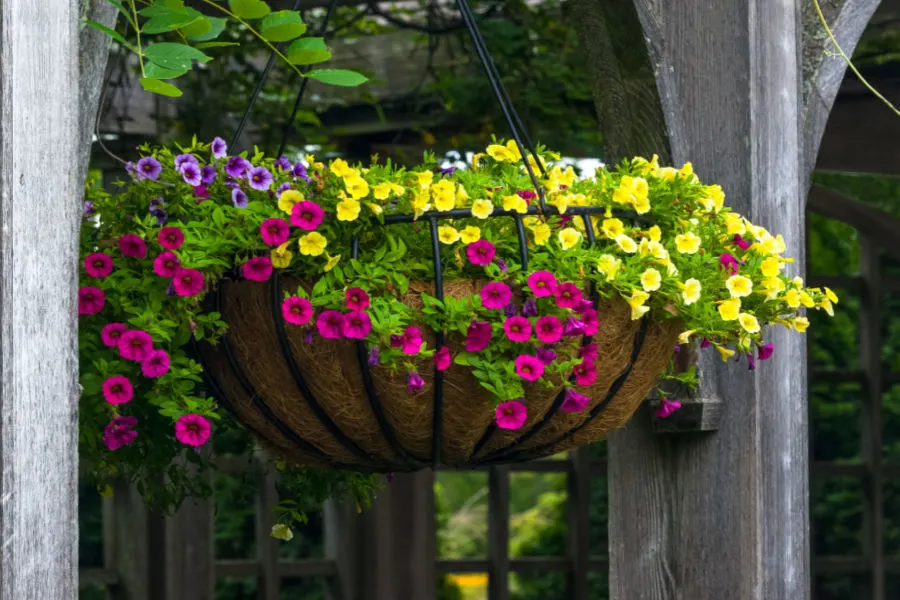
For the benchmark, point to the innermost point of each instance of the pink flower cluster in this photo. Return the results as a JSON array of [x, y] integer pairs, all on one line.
[[332, 324]]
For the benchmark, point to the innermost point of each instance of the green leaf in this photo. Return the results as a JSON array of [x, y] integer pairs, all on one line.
[[170, 20], [174, 56], [282, 26], [308, 51], [156, 86], [122, 10], [198, 28], [217, 27], [205, 45], [154, 71], [110, 32], [161, 6], [249, 9]]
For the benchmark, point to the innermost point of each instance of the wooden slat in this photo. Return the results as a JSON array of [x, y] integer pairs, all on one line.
[[266, 545], [97, 576], [529, 565], [852, 284], [498, 533], [852, 565], [322, 567], [579, 529], [536, 466]]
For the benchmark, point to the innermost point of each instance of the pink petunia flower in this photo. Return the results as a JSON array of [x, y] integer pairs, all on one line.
[[330, 324], [111, 334], [411, 340], [171, 238], [741, 242], [307, 215], [90, 300], [568, 295], [518, 329], [201, 191], [588, 352], [192, 430], [481, 252], [414, 382], [574, 401], [120, 432], [529, 367], [584, 306], [495, 295], [156, 364], [510, 415], [478, 336], [118, 390], [297, 310], [549, 329], [131, 246], [729, 263], [442, 359], [135, 345], [705, 343], [573, 327], [542, 283], [591, 323], [585, 372], [765, 351], [98, 265], [257, 269], [666, 408], [357, 325], [357, 299], [274, 231], [166, 264], [188, 282]]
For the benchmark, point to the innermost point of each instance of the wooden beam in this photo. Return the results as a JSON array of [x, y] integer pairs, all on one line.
[[39, 220], [877, 226]]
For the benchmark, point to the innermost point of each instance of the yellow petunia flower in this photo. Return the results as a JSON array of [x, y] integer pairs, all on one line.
[[356, 186], [444, 195], [339, 167], [312, 244], [667, 173], [515, 203], [381, 191], [348, 210], [567, 177], [281, 256], [826, 305], [447, 234], [685, 336], [724, 352], [612, 227], [461, 196], [470, 234], [636, 302], [502, 153], [541, 234], [375, 208], [739, 286], [569, 238], [331, 262], [806, 300], [424, 179], [476, 158], [626, 243], [831, 295], [729, 309], [735, 224], [792, 298], [687, 243], [690, 291], [609, 265], [655, 233], [482, 209], [560, 202], [748, 323], [280, 531], [288, 199], [770, 267], [800, 324], [773, 286], [651, 280], [713, 199]]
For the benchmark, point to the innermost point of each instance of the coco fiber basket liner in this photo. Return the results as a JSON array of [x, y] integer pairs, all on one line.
[[320, 404]]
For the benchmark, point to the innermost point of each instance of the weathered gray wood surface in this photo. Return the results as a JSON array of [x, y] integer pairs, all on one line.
[[39, 216]]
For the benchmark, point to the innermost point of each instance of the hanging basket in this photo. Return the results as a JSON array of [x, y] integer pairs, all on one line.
[[319, 403]]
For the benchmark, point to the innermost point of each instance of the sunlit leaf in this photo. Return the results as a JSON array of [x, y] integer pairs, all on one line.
[[249, 9], [282, 26], [217, 26], [160, 87], [308, 51], [341, 77]]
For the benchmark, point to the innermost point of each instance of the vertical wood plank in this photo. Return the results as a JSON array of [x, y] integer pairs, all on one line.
[[871, 425], [498, 533], [38, 300], [189, 568], [133, 545], [342, 544], [579, 529], [266, 545]]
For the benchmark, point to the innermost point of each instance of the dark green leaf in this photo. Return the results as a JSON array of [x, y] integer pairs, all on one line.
[[110, 32], [198, 28], [174, 56], [160, 87], [154, 71], [170, 20], [282, 26], [249, 9], [217, 27], [308, 51], [161, 6], [205, 45]]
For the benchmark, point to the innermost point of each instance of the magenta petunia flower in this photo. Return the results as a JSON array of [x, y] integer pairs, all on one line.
[[751, 362], [542, 283], [132, 246], [526, 195], [98, 265], [574, 401], [585, 372], [135, 345], [260, 178], [156, 364], [588, 352], [275, 231], [171, 238], [184, 159], [297, 310], [442, 359], [765, 351], [201, 192], [495, 295], [166, 264], [705, 343], [306, 215], [330, 324], [111, 334], [218, 147], [545, 355], [729, 263], [257, 269], [411, 340], [149, 168], [208, 174], [510, 415], [117, 390], [237, 166], [481, 252], [191, 174], [591, 322], [192, 430], [239, 198], [549, 329], [357, 325], [119, 432], [666, 408], [529, 367], [188, 282], [518, 329], [568, 295], [573, 327], [414, 382], [90, 300], [356, 298], [478, 336], [741, 242], [584, 306]]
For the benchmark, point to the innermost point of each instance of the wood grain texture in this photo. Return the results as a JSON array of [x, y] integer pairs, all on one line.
[[92, 58], [38, 299]]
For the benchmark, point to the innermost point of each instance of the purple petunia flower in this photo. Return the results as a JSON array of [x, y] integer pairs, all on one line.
[[545, 355], [529, 309], [299, 172], [237, 166], [184, 159], [149, 168], [283, 163], [448, 171], [155, 202], [510, 310], [131, 169], [501, 264], [414, 382], [161, 216], [260, 178], [191, 174], [751, 362], [219, 148], [239, 198], [284, 186], [88, 208], [170, 291], [208, 174], [573, 327], [374, 356]]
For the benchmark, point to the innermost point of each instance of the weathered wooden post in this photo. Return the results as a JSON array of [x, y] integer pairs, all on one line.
[[721, 84]]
